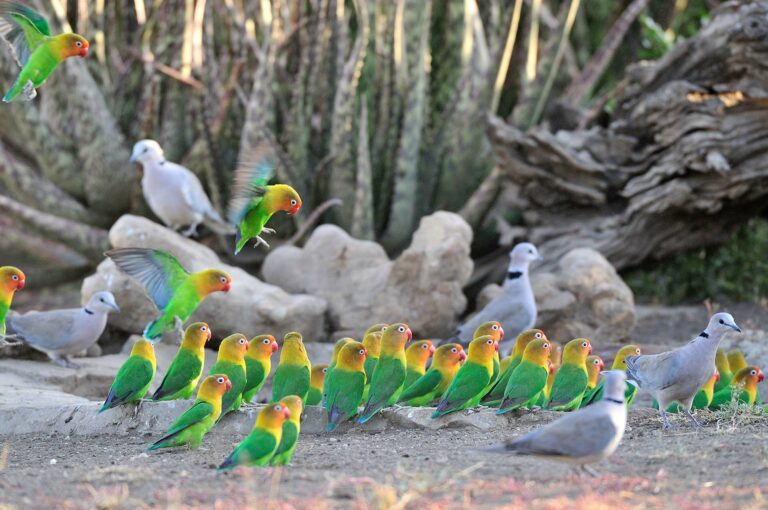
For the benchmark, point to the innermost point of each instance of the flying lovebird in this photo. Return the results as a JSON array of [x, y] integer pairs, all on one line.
[[186, 367], [174, 193], [416, 357], [619, 363], [584, 437], [344, 385], [63, 333], [743, 388], [471, 379], [724, 369], [134, 376], [175, 292], [496, 393], [341, 342], [445, 364], [595, 365], [703, 397], [230, 361], [261, 443], [194, 423], [36, 51], [11, 280], [258, 363], [291, 430], [571, 380], [676, 376], [316, 382], [527, 382], [294, 372]]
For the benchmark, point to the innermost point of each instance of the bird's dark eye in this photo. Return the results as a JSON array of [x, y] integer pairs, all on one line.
[[266, 341], [202, 328], [278, 408], [545, 345], [584, 344], [424, 346], [146, 149], [401, 329], [721, 321], [15, 277], [530, 251], [454, 350], [220, 380], [538, 335], [293, 201], [242, 341], [78, 44], [494, 327], [752, 372], [325, 370], [361, 351]]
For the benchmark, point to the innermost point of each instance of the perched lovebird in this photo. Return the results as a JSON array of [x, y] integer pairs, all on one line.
[[583, 437], [571, 379], [736, 362], [11, 280], [676, 376], [194, 423], [416, 358], [344, 385], [186, 368], [372, 343], [619, 363], [595, 365], [174, 193], [341, 342], [445, 363], [230, 361], [529, 378], [37, 52], [471, 379], [176, 293], [291, 430], [254, 201], [495, 331], [743, 388], [258, 363], [134, 377], [294, 372], [389, 375], [523, 339], [316, 381], [703, 397], [261, 443], [63, 333], [724, 369]]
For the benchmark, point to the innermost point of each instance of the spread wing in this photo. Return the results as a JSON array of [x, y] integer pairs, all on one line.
[[253, 173], [159, 272], [23, 28], [47, 330]]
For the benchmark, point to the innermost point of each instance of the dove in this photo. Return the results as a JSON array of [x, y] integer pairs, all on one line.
[[174, 193], [583, 437], [62, 333], [676, 376]]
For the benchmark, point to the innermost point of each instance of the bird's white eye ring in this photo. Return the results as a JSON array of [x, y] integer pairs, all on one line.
[[596, 362], [637, 351], [293, 201], [489, 342], [220, 380], [538, 335], [454, 350], [15, 277], [266, 341], [584, 344], [545, 345], [495, 327], [278, 408], [203, 328], [325, 370], [401, 329], [361, 351], [752, 372], [242, 341], [424, 346], [78, 44]]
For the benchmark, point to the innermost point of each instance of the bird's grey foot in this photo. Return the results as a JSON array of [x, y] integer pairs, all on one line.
[[137, 408], [694, 422], [28, 92], [268, 230], [191, 231], [259, 241], [665, 425], [64, 362]]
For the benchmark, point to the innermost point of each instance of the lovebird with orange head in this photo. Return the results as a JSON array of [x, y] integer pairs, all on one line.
[[619, 363], [294, 372], [496, 332], [496, 393], [389, 375], [186, 368], [446, 362], [416, 357], [134, 376], [472, 378], [572, 377], [316, 382], [176, 292], [230, 361], [258, 363], [743, 388], [528, 379], [194, 423], [344, 385], [37, 52], [737, 361], [291, 430], [595, 365], [258, 448], [11, 280]]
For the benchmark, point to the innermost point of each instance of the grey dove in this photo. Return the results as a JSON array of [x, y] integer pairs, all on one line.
[[584, 437], [174, 193], [62, 333], [676, 376]]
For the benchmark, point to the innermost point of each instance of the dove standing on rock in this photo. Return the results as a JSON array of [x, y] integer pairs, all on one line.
[[676, 376], [174, 193], [62, 333]]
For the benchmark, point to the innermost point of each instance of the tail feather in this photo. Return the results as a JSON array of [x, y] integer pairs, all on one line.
[[216, 223]]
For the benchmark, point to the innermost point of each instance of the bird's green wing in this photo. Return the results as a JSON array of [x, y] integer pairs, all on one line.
[[342, 394], [132, 378], [236, 375], [254, 375], [252, 175], [159, 272], [570, 382], [199, 411], [287, 444], [256, 449], [526, 381], [23, 28], [370, 366], [470, 380], [593, 395], [290, 380], [184, 368], [388, 376], [421, 386]]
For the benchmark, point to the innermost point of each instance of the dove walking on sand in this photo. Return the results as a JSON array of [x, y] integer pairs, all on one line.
[[676, 376]]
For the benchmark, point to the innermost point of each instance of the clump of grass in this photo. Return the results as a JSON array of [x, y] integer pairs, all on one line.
[[735, 415]]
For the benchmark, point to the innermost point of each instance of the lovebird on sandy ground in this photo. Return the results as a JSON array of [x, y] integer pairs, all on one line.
[[176, 293], [186, 368], [703, 397], [471, 379], [258, 363], [389, 375], [595, 365], [494, 396], [416, 357], [294, 372], [446, 362], [496, 332], [619, 363], [555, 361], [231, 362], [37, 52], [724, 369], [11, 280], [194, 423], [571, 380], [291, 430], [344, 385], [529, 378], [134, 376], [261, 443], [341, 342], [743, 388], [736, 362], [316, 382], [372, 343]]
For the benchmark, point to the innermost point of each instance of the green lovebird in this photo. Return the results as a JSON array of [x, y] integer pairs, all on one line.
[[341, 342], [344, 385], [445, 363], [316, 382], [529, 378], [389, 375], [701, 400], [291, 430], [186, 368], [230, 361], [294, 372], [496, 392], [619, 363], [37, 52], [471, 379], [134, 377], [194, 423], [11, 280], [743, 388], [258, 363], [737, 361], [416, 358], [724, 369], [571, 380], [261, 443], [176, 293], [372, 343], [595, 365]]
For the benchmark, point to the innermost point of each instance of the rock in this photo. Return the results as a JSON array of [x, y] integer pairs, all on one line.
[[251, 307], [423, 286]]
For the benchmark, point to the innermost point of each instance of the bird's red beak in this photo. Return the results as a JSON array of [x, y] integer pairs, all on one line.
[[84, 52], [287, 413], [409, 333], [294, 209], [228, 384], [210, 333], [501, 331], [432, 349], [551, 367], [275, 347], [21, 284], [590, 349], [717, 376], [496, 346], [227, 287], [760, 376], [247, 345], [462, 356]]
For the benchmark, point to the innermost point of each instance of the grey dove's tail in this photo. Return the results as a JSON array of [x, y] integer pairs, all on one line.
[[216, 223], [632, 375]]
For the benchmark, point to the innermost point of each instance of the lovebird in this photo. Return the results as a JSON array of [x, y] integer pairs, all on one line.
[[258, 363], [291, 430], [230, 361], [416, 357], [737, 361], [344, 385], [186, 368], [572, 377], [316, 382], [703, 397], [496, 392], [445, 363], [743, 388], [261, 443], [134, 376], [341, 342], [176, 293], [495, 331], [294, 372], [619, 363], [254, 201], [389, 375], [194, 423], [11, 280], [724, 369], [529, 378], [471, 379], [37, 52], [372, 343], [595, 365]]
